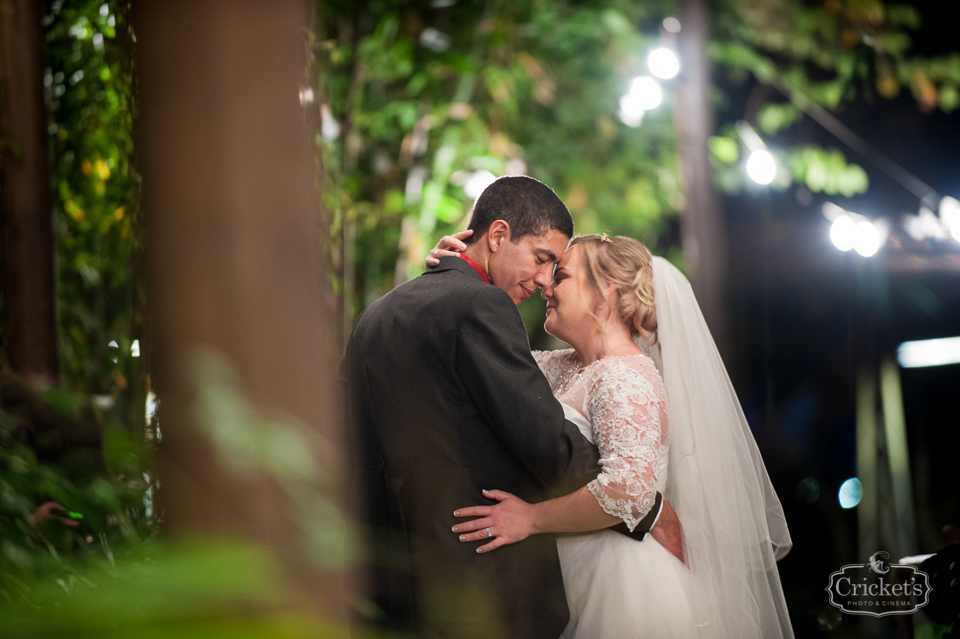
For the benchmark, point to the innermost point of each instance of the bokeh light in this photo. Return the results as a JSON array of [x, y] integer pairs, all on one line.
[[950, 215], [663, 63], [929, 352], [866, 238], [477, 183], [762, 166], [808, 491], [647, 92], [851, 492], [631, 112], [842, 232]]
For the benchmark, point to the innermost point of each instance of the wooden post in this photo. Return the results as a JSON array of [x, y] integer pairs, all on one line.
[[867, 453], [701, 221], [234, 268], [26, 218], [898, 457]]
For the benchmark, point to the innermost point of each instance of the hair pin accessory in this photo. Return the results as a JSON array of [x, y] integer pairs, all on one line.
[[604, 238]]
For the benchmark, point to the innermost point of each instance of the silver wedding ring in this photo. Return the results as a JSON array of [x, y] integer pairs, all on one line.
[[489, 533]]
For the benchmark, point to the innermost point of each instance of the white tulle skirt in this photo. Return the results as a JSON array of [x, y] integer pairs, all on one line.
[[619, 588]]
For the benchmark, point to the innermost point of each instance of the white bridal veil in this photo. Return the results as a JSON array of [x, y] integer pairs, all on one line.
[[733, 523]]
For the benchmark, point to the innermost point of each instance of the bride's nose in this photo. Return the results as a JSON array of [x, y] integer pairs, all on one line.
[[547, 291]]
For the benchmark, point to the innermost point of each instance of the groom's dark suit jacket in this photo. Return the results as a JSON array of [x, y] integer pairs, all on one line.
[[445, 399]]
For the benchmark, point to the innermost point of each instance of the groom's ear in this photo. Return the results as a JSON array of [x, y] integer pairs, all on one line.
[[498, 234]]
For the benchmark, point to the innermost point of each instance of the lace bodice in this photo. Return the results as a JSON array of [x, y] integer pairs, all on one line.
[[623, 400]]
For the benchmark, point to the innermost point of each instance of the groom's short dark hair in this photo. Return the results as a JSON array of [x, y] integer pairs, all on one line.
[[530, 207]]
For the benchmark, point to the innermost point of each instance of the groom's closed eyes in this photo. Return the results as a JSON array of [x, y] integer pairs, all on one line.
[[545, 256]]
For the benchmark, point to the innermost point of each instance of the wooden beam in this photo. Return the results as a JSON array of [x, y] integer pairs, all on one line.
[[26, 218]]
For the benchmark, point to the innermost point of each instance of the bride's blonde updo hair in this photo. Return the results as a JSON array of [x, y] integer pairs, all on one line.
[[625, 262]]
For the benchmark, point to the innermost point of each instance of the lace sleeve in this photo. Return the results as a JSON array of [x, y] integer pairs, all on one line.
[[625, 408], [557, 366]]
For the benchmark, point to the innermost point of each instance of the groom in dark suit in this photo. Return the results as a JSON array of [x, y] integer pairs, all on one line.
[[445, 400]]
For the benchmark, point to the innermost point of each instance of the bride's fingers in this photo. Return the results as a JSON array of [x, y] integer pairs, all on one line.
[[470, 526], [499, 495], [480, 535], [462, 235], [473, 511], [451, 243], [433, 257], [493, 545]]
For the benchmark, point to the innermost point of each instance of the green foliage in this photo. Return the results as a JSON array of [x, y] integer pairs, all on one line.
[[58, 447], [111, 577], [83, 445], [89, 79], [275, 445], [533, 86], [523, 87], [827, 53], [826, 171], [774, 117], [724, 149], [830, 52], [209, 589], [96, 190]]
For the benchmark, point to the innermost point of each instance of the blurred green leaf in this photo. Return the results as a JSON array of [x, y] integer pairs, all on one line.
[[724, 149], [773, 117]]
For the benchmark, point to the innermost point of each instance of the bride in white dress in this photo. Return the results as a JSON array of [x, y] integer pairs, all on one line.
[[688, 441]]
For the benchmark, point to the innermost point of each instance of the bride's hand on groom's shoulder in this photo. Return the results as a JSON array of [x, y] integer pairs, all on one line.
[[448, 245], [507, 522]]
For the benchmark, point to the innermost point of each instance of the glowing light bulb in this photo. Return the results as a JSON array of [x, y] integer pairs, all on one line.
[[842, 232], [762, 166], [663, 63], [866, 239], [647, 92]]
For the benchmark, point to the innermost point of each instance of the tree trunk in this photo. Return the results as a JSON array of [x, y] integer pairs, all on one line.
[[234, 268], [702, 227], [26, 219]]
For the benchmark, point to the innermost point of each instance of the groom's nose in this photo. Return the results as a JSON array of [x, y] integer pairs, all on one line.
[[543, 277]]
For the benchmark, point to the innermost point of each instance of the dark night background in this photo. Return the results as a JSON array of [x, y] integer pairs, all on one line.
[[805, 314]]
